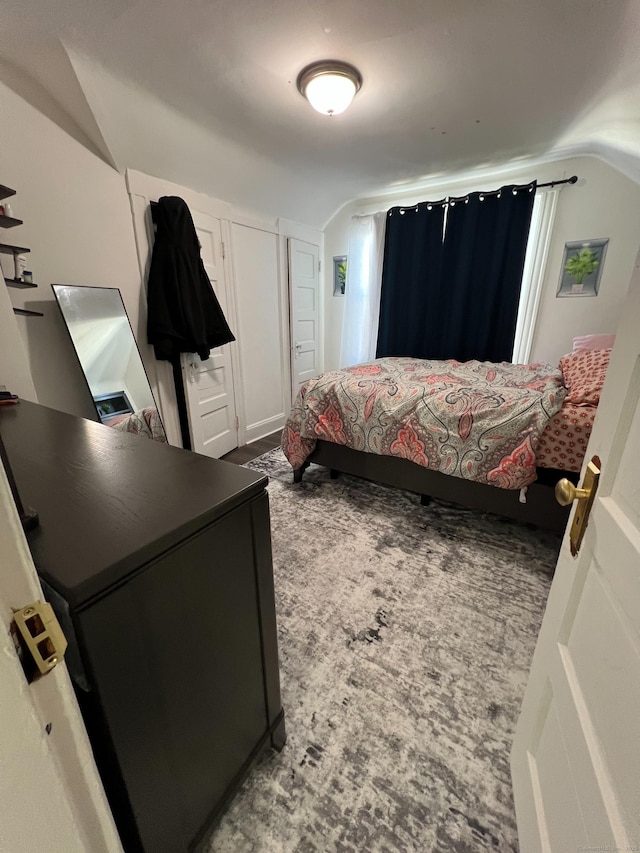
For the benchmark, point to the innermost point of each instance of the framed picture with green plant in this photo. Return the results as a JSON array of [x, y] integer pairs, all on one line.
[[582, 264], [339, 274]]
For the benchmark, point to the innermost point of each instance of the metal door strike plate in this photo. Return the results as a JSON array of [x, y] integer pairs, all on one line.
[[585, 500], [40, 641]]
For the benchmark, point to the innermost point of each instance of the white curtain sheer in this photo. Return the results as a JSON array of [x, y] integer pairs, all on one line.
[[364, 282], [542, 219], [362, 289]]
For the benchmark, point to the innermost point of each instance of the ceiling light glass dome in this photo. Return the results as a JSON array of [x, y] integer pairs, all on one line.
[[329, 86]]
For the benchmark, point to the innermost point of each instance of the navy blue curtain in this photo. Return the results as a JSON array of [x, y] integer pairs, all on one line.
[[468, 304], [410, 278]]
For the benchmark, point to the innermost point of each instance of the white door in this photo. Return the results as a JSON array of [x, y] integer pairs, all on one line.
[[576, 755], [51, 797], [304, 288], [209, 384]]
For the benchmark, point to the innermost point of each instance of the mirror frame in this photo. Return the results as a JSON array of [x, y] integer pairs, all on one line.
[[99, 417]]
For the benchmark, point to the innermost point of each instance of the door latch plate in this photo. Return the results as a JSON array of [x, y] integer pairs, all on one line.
[[584, 504], [41, 643]]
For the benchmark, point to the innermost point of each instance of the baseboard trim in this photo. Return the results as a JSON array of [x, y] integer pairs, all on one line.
[[254, 432]]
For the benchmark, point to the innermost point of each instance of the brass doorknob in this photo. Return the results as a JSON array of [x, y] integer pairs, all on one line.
[[566, 492]]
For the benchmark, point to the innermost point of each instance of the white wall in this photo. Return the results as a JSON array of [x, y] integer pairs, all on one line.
[[336, 243], [151, 135], [15, 373], [77, 223], [604, 203]]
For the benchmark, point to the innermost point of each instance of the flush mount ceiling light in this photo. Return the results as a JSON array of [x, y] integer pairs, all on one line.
[[329, 86]]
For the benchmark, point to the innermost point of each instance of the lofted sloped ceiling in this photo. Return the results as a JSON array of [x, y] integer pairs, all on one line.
[[202, 92]]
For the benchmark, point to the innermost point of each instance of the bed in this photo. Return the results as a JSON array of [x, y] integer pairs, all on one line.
[[489, 436], [146, 422]]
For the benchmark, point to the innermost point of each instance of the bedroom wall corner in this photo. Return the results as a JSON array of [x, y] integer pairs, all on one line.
[[336, 243], [603, 204]]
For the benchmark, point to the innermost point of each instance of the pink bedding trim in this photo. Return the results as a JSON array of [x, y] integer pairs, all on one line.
[[589, 342]]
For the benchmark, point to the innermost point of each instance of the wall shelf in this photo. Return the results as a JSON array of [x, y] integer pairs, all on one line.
[[21, 285], [9, 221], [6, 249], [23, 312]]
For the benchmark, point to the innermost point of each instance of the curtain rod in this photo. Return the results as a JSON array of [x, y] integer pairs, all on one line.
[[572, 180], [448, 199]]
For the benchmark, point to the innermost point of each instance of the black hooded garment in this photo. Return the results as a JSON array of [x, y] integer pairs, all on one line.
[[184, 314]]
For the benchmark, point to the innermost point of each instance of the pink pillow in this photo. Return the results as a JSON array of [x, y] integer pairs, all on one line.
[[583, 374], [587, 342]]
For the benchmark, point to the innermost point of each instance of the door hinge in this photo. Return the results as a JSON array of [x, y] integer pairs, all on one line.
[[319, 265], [223, 250], [237, 422]]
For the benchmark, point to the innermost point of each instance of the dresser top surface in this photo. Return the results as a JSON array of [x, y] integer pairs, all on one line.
[[107, 501]]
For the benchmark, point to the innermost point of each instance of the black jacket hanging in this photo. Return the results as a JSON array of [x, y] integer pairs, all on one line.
[[184, 314]]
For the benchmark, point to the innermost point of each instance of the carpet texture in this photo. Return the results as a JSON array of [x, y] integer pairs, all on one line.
[[406, 634]]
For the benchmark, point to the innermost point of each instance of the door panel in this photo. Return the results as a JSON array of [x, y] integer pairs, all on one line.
[[576, 751], [263, 337], [209, 385], [51, 796], [553, 768], [304, 282]]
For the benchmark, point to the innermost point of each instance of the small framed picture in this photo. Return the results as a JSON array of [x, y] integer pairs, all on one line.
[[582, 264], [339, 274]]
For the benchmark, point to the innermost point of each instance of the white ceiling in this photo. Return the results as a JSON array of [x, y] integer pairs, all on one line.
[[203, 92]]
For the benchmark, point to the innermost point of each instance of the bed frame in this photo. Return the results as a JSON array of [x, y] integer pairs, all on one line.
[[541, 507]]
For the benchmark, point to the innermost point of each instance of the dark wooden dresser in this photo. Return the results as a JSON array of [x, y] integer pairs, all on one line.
[[158, 562]]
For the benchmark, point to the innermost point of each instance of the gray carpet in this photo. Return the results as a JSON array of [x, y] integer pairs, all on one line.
[[406, 634]]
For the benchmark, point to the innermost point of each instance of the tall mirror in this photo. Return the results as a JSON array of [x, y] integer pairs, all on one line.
[[103, 339]]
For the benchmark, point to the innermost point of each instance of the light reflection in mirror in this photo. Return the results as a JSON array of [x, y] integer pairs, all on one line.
[[102, 337]]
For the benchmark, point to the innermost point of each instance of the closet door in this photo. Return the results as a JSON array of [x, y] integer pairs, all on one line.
[[209, 385], [304, 285], [263, 348]]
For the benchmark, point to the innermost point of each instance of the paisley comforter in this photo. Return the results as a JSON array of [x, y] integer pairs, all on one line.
[[145, 422], [475, 420]]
